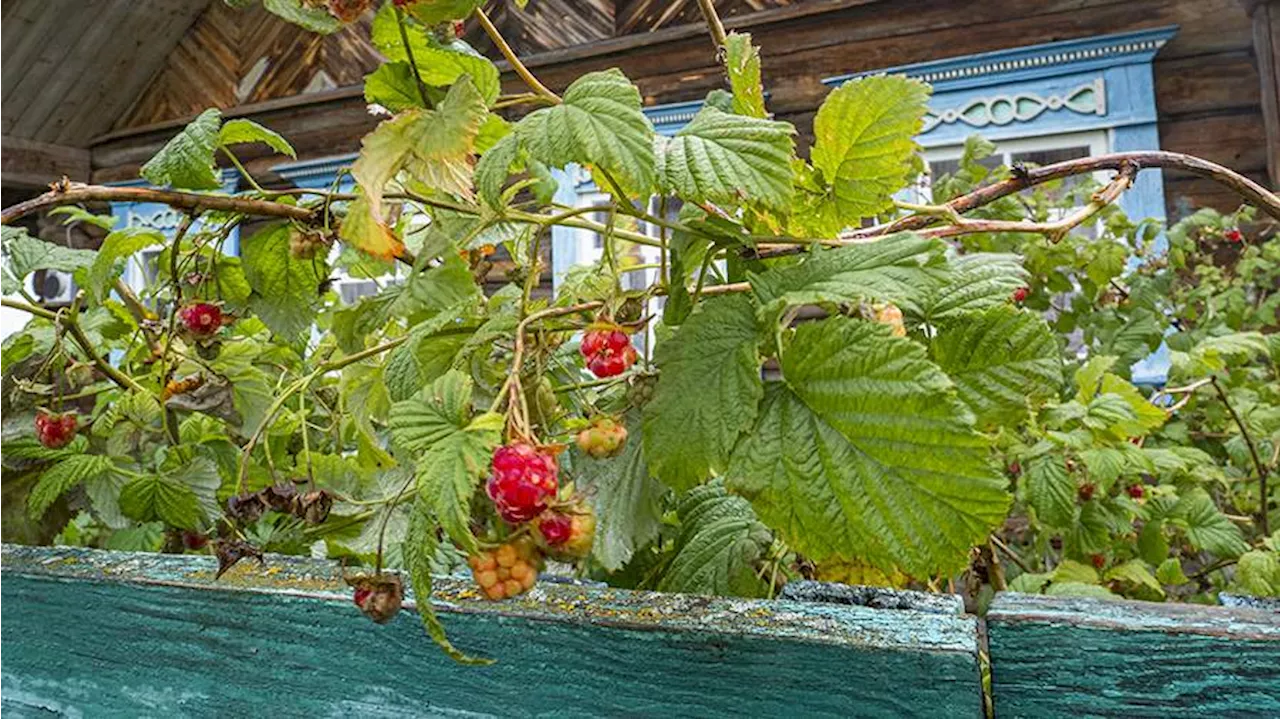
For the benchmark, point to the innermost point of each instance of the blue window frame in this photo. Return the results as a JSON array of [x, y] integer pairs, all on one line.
[[1096, 93], [158, 216]]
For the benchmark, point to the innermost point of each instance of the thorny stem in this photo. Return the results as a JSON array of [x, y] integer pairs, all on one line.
[[1253, 453], [71, 193], [382, 531], [1010, 554], [516, 65], [714, 25], [1250, 190]]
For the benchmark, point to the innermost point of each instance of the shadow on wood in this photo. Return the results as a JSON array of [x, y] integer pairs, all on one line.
[[118, 634]]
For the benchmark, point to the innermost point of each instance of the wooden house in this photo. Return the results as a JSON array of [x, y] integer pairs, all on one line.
[[92, 88]]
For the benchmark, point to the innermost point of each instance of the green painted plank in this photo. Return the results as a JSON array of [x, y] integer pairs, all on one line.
[[1069, 657], [118, 634]]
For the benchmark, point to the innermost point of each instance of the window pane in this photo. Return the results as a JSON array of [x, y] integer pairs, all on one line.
[[1048, 157], [940, 168]]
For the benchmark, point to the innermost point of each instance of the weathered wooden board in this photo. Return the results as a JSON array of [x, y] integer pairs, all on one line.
[[115, 634], [1061, 657]]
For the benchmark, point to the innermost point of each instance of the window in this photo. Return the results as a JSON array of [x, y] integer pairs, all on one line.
[[1043, 150], [1046, 103]]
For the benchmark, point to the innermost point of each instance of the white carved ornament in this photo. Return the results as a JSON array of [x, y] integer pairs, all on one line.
[[1087, 99]]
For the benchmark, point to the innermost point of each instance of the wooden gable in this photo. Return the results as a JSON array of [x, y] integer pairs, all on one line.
[[235, 57]]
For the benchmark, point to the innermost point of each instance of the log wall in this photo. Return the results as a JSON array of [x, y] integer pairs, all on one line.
[[1207, 79]]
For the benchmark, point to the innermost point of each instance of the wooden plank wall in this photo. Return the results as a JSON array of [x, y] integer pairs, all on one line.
[[1207, 81], [1206, 78], [117, 634]]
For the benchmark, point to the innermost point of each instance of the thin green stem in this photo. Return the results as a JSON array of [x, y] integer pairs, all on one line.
[[301, 385], [243, 172], [408, 51]]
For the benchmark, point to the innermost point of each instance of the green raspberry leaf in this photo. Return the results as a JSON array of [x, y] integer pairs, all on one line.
[[599, 123], [729, 159], [721, 541], [1003, 362], [186, 161], [742, 65], [627, 501], [707, 392], [865, 453], [239, 131], [864, 136], [286, 291]]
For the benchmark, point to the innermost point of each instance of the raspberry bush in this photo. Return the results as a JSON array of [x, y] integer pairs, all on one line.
[[816, 380]]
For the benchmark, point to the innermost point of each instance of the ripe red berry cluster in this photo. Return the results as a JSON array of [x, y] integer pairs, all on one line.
[[608, 351], [508, 571], [1137, 491], [524, 478], [201, 319], [1233, 235], [1086, 491], [604, 438], [55, 430], [567, 534], [1020, 294]]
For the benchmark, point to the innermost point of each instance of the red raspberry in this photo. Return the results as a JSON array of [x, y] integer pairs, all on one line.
[[608, 351], [555, 528], [1233, 235], [608, 363], [593, 341], [1137, 491], [1086, 491], [378, 596], [1015, 469], [567, 535], [523, 479], [459, 28], [1020, 294], [201, 319], [55, 430], [1099, 561], [194, 540]]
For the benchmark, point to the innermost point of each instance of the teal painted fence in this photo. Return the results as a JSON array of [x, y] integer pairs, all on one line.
[[1059, 656], [104, 634], [107, 634]]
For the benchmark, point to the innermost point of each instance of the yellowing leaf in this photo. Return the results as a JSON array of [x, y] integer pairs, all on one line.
[[434, 147]]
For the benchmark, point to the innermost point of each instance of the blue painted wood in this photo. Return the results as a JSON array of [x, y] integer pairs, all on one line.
[[159, 216], [116, 634], [319, 174], [1070, 657]]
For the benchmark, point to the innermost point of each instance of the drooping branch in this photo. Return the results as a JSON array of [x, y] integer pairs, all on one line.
[[71, 193], [1251, 191]]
